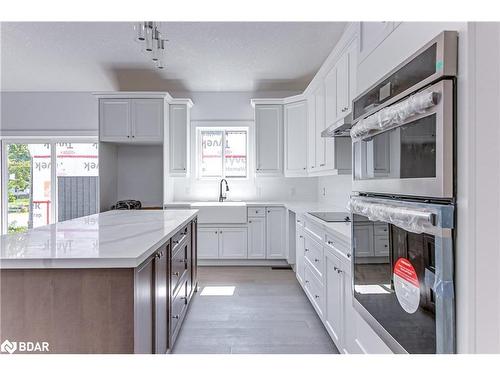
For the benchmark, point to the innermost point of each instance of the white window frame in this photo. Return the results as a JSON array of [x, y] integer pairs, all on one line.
[[198, 129], [5, 141]]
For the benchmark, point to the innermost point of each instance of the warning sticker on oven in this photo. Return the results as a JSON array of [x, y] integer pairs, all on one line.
[[406, 285]]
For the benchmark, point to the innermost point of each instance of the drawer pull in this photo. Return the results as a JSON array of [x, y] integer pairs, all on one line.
[[306, 250], [335, 269], [301, 236], [385, 245], [348, 255], [330, 243], [250, 221], [175, 317], [316, 260], [339, 271], [316, 296], [176, 273], [307, 281]]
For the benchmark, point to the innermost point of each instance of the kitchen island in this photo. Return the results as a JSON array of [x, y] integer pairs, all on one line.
[[114, 282]]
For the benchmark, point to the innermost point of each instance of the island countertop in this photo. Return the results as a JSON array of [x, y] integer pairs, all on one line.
[[113, 239]]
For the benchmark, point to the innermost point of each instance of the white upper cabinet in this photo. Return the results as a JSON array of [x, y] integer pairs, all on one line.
[[179, 139], [147, 119], [275, 233], [296, 139], [311, 133], [331, 97], [343, 94], [131, 120], [269, 139], [371, 34], [319, 126]]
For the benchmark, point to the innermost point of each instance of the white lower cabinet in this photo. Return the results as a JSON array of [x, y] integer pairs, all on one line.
[[257, 238], [275, 233], [222, 243], [327, 284], [208, 243], [233, 243], [299, 254], [263, 237], [334, 298], [314, 289]]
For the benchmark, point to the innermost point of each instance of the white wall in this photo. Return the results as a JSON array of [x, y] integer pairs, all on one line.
[[230, 108], [335, 190], [42, 113]]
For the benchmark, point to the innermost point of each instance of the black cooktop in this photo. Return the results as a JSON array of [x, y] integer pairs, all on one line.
[[332, 217]]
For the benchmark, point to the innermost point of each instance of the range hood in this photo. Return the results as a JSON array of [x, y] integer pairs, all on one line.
[[341, 128]]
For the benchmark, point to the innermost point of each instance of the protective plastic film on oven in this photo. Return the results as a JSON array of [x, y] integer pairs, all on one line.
[[408, 290]]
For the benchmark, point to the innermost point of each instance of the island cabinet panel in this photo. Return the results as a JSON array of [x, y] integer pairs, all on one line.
[[103, 310], [74, 310]]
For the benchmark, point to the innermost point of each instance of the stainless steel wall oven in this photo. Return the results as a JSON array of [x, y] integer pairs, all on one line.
[[403, 201]]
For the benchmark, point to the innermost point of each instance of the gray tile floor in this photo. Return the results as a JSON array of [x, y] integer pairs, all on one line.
[[268, 313]]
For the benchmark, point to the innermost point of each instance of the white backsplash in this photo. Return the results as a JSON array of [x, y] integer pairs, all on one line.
[[335, 190], [264, 188]]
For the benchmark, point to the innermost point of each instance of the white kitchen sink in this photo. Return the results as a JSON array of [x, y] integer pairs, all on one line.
[[221, 212]]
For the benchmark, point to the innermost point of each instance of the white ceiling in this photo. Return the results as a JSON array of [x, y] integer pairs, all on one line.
[[202, 56]]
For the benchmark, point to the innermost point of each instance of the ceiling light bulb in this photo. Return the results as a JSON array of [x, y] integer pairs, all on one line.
[[140, 31]]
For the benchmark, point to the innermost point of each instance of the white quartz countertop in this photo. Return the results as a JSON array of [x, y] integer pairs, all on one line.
[[299, 207], [113, 239]]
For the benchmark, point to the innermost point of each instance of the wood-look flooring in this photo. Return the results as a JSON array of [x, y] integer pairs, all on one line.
[[268, 313]]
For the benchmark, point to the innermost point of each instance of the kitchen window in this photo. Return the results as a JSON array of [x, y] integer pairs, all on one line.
[[45, 181], [222, 152]]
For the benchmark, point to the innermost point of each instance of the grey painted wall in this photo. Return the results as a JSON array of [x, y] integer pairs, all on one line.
[[43, 113]]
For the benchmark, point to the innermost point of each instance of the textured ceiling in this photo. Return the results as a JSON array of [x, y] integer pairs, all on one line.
[[202, 56]]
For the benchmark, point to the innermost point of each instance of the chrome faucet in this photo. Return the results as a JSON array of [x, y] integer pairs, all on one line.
[[221, 196]]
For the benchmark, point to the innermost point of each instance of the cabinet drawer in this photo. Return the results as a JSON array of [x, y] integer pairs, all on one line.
[[179, 303], [337, 246], [381, 229], [179, 264], [256, 211], [315, 230], [313, 252], [314, 289], [179, 237]]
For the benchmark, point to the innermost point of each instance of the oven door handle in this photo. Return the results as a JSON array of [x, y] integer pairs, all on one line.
[[395, 115], [412, 219]]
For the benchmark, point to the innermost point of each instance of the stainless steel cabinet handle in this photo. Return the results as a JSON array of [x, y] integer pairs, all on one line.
[[348, 255], [175, 317]]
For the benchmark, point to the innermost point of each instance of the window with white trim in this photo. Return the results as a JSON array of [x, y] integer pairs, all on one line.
[[47, 181], [222, 152]]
